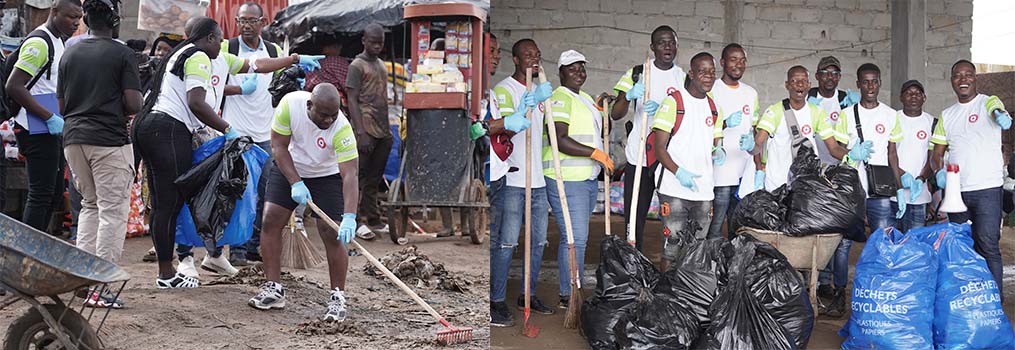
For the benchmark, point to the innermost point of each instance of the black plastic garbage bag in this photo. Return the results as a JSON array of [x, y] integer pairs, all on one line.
[[805, 162], [781, 290], [286, 81], [599, 318], [694, 276], [657, 321], [623, 274], [831, 201], [212, 187], [761, 209]]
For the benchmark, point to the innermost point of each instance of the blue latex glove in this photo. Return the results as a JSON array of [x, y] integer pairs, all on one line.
[[815, 99], [249, 84], [915, 190], [55, 124], [852, 98], [900, 198], [940, 177], [636, 92], [651, 107], [302, 81], [861, 152], [543, 92], [347, 229], [309, 62], [1003, 119], [300, 193], [734, 119], [907, 180], [718, 156], [686, 179], [528, 100], [747, 142], [232, 134], [517, 122], [759, 179]]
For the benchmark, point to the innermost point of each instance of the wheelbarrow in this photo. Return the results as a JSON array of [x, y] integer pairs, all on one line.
[[35, 265]]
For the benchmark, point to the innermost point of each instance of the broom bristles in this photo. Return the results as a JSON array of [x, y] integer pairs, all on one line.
[[576, 299], [297, 250]]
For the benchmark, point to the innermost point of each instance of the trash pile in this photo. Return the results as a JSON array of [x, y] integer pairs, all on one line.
[[416, 269], [717, 295], [927, 288]]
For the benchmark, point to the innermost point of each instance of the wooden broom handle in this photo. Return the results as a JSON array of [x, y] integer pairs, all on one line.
[[552, 130], [633, 210], [606, 148], [401, 285], [528, 191]]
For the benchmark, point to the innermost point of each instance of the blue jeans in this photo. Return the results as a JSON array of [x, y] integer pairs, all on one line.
[[581, 201], [879, 215], [507, 217], [915, 216], [984, 210], [678, 216], [722, 210]]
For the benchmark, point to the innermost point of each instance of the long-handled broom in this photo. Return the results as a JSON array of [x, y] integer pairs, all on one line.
[[528, 329], [604, 104], [297, 251], [575, 301], [452, 335], [632, 212]]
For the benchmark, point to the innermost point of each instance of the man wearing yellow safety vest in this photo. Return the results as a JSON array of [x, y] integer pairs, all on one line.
[[579, 126]]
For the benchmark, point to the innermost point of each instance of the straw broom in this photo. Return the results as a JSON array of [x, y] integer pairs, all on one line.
[[297, 251]]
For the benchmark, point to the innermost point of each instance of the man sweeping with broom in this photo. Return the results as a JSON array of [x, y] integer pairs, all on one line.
[[315, 152]]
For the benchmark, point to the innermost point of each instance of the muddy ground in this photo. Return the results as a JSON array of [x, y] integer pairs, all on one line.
[[216, 316], [553, 335]]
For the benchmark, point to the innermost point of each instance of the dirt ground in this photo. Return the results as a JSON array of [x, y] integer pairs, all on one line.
[[553, 335], [217, 316]]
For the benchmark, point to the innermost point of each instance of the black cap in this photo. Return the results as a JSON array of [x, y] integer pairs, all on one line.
[[913, 82]]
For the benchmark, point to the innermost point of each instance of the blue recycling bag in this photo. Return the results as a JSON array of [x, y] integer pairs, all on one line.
[[967, 309], [893, 294], [241, 224]]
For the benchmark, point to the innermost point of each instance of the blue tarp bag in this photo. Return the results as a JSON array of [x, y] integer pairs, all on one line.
[[893, 294], [967, 309], [241, 223]]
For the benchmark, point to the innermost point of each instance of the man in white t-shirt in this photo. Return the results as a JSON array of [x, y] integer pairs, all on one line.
[[913, 129], [740, 98], [832, 100], [970, 131], [685, 145], [665, 77]]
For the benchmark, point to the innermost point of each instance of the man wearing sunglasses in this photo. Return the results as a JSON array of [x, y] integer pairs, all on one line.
[[828, 96]]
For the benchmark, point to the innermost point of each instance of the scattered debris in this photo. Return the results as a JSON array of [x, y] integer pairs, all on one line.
[[416, 269], [318, 327]]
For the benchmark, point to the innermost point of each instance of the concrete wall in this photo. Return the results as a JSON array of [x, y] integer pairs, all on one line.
[[614, 35]]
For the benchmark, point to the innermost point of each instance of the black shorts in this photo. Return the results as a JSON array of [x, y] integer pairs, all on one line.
[[325, 191]]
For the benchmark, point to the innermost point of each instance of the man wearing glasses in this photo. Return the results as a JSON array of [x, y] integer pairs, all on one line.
[[827, 96]]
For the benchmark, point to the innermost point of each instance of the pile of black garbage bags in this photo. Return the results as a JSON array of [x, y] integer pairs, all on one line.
[[819, 199], [741, 294]]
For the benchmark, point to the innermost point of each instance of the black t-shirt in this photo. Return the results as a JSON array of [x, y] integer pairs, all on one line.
[[93, 75]]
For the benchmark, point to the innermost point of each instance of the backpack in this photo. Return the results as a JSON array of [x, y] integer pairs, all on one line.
[[650, 156], [8, 107]]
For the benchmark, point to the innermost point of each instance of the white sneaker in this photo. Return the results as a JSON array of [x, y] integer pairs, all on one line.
[[382, 230], [186, 267], [272, 296], [219, 265], [336, 307]]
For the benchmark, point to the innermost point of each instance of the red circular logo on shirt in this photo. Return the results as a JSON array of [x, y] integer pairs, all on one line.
[[320, 143], [880, 128], [541, 108], [806, 129], [709, 121], [746, 109], [973, 118], [214, 80], [671, 90], [922, 135], [834, 116]]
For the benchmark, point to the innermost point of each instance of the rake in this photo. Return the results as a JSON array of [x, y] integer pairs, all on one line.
[[451, 335]]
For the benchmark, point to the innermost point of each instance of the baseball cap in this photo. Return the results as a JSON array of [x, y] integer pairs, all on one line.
[[913, 82], [569, 57], [827, 61]]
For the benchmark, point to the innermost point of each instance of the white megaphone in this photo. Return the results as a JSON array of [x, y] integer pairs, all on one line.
[[952, 201]]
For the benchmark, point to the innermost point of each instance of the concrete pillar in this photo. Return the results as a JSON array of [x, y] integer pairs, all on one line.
[[733, 14], [909, 45]]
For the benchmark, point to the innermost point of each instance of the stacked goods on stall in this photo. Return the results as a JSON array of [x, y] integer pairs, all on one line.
[[443, 71], [168, 16]]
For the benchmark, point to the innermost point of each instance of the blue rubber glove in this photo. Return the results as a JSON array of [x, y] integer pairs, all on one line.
[[516, 122], [249, 84], [861, 152], [232, 134], [718, 156], [636, 92], [940, 177], [815, 99], [907, 180], [852, 98], [528, 100], [747, 142], [309, 62], [686, 179], [900, 198], [55, 124], [543, 92], [347, 229], [734, 119], [651, 107], [759, 180], [915, 190], [300, 193], [302, 81], [1003, 119]]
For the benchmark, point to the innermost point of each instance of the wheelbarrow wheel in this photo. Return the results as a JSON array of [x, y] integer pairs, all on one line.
[[31, 331], [478, 218]]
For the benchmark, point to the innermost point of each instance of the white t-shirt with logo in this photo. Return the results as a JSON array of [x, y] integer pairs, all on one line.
[[741, 98], [974, 143], [199, 71], [690, 147], [250, 115], [315, 152], [832, 117], [663, 83], [31, 58], [509, 98], [912, 146], [877, 125], [498, 168]]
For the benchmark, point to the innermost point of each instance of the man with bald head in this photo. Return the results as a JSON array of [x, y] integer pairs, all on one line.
[[315, 152]]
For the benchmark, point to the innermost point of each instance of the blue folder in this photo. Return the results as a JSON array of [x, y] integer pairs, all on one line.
[[36, 124]]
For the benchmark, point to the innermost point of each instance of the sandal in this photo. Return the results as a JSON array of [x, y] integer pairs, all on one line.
[[178, 281], [364, 232]]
